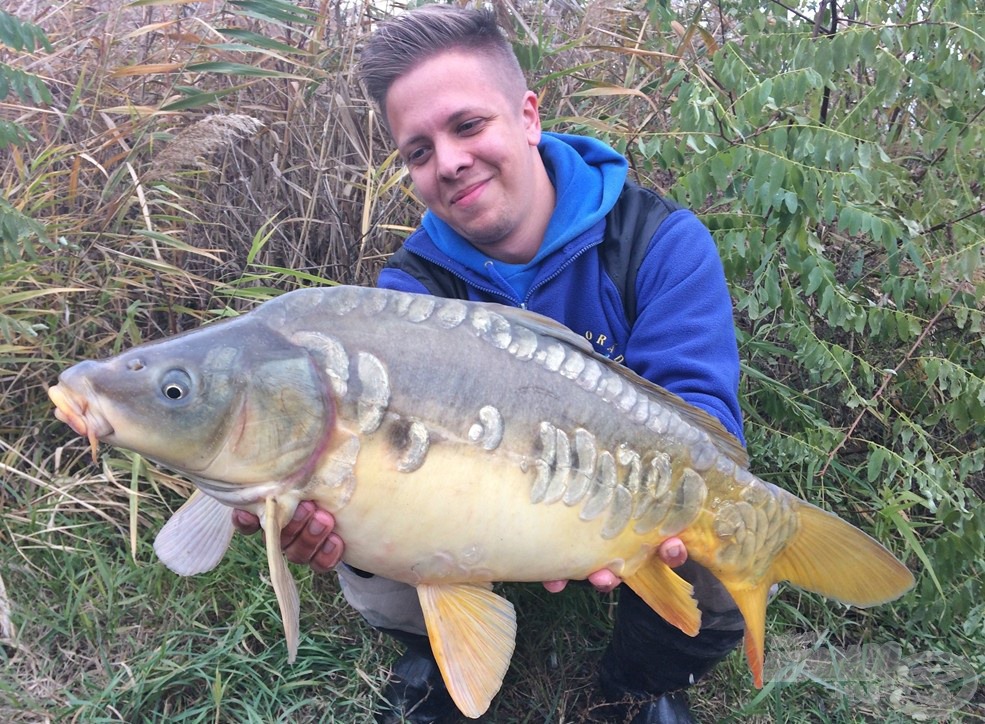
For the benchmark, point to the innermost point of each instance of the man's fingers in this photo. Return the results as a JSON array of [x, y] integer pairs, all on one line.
[[246, 523], [604, 580], [328, 555], [313, 543], [672, 552], [297, 524], [308, 538]]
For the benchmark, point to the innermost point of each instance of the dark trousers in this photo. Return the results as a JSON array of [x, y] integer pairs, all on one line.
[[647, 656]]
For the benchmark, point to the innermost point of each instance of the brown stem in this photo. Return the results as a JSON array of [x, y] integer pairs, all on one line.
[[826, 96], [882, 388]]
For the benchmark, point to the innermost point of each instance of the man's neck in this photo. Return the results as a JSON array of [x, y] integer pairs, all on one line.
[[530, 236]]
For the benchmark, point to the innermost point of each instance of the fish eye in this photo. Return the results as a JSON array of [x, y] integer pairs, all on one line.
[[176, 385]]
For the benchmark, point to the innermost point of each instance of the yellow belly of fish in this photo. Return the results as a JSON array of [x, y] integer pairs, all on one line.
[[459, 518]]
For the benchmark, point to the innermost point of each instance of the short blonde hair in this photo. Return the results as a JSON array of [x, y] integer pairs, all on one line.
[[405, 41]]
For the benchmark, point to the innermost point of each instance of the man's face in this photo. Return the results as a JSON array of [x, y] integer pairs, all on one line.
[[471, 151]]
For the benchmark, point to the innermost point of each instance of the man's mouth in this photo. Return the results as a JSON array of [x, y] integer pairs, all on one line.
[[468, 194]]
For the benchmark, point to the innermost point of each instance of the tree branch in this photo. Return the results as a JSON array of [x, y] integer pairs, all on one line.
[[891, 374], [826, 96], [945, 224]]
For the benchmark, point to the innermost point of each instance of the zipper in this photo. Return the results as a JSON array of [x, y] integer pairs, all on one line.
[[514, 301], [557, 272]]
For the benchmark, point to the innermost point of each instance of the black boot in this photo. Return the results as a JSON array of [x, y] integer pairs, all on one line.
[[671, 708], [624, 706], [416, 693], [648, 663]]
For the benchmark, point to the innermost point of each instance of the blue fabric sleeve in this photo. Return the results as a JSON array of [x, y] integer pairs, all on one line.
[[684, 335], [400, 280]]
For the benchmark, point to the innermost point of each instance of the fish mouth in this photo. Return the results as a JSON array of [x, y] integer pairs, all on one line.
[[74, 410]]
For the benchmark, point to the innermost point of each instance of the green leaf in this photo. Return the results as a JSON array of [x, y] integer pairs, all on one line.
[[251, 39], [198, 99], [275, 11], [228, 68]]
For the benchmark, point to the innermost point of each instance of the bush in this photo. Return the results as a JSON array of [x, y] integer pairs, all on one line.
[[191, 159]]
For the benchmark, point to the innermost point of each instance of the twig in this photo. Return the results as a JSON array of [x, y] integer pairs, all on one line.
[[792, 11], [882, 388], [826, 95], [6, 625], [938, 227]]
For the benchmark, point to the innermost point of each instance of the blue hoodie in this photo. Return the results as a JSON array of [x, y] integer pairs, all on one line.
[[683, 337]]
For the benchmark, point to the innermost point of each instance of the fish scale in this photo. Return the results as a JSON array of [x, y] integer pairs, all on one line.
[[458, 444]]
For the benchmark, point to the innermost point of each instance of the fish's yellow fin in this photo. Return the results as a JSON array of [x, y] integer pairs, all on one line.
[[751, 601], [281, 578], [473, 633], [829, 556], [668, 594], [196, 537], [825, 555]]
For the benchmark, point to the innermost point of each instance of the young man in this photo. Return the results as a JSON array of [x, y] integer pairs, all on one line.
[[548, 222]]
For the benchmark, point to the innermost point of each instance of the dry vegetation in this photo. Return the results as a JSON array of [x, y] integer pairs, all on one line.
[[184, 171], [164, 218]]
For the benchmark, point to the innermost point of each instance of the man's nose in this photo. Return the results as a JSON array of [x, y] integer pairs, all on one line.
[[453, 157]]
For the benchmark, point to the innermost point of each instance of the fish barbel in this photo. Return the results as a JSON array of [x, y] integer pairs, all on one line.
[[458, 444]]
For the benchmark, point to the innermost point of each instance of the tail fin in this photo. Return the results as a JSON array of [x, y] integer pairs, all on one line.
[[837, 560], [828, 556]]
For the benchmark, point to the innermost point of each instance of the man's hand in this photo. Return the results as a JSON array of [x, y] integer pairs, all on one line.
[[671, 551], [307, 539]]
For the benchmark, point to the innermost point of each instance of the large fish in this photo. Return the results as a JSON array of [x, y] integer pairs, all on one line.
[[458, 444]]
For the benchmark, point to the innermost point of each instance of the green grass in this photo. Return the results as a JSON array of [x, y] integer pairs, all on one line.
[[106, 635], [166, 204]]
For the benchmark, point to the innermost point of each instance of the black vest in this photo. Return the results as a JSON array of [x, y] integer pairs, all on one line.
[[629, 227]]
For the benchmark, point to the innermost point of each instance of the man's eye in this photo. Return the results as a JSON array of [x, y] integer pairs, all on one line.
[[471, 126], [418, 156]]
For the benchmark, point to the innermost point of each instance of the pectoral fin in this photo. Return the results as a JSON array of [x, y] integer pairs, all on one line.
[[668, 594], [473, 633], [281, 578], [196, 537]]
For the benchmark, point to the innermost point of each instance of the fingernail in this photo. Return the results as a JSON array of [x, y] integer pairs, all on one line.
[[674, 550], [316, 527]]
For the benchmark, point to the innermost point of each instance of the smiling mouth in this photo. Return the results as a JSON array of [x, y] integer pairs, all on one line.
[[467, 192]]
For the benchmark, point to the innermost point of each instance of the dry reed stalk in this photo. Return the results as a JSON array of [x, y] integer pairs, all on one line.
[[193, 145], [7, 631]]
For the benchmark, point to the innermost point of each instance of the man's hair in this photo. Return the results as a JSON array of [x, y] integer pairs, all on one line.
[[405, 41]]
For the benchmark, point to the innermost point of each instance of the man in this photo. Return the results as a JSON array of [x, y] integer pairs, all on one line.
[[547, 222]]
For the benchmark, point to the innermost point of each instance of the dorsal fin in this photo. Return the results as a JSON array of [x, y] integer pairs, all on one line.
[[540, 325], [725, 441]]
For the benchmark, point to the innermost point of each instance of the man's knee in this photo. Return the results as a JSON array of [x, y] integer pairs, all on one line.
[[382, 602], [718, 609]]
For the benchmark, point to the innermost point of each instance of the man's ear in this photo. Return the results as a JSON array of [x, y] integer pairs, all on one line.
[[530, 112]]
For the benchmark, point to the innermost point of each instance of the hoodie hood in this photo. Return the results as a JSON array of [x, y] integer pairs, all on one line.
[[588, 176]]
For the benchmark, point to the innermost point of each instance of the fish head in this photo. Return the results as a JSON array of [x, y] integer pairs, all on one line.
[[235, 403]]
